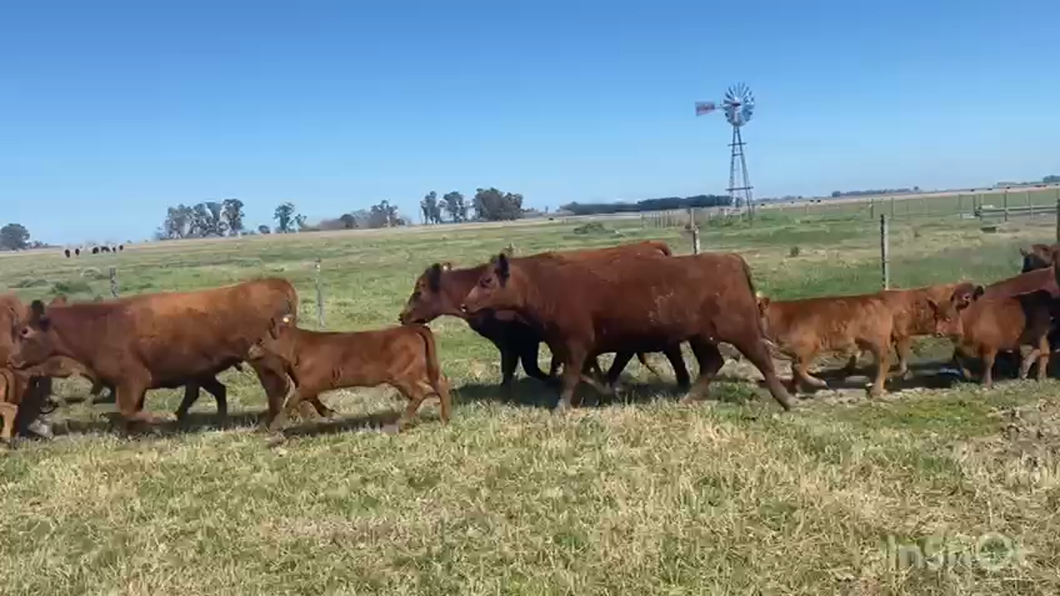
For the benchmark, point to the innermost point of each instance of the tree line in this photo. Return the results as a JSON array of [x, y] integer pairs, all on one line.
[[659, 204]]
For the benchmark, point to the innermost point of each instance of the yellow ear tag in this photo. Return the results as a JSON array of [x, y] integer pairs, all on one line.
[[286, 319]]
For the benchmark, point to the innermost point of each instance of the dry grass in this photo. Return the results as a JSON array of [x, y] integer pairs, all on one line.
[[643, 496]]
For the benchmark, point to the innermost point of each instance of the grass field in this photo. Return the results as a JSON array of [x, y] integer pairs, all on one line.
[[943, 491]]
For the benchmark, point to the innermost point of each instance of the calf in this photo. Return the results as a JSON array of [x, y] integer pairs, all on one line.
[[981, 325], [804, 328], [404, 357], [632, 303]]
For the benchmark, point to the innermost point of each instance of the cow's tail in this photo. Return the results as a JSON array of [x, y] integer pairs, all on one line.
[[434, 371], [754, 296]]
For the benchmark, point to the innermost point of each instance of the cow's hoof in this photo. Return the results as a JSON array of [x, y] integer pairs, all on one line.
[[41, 429], [275, 440]]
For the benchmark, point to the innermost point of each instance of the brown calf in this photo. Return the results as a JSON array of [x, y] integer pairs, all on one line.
[[633, 304], [404, 357], [982, 325], [1039, 256], [804, 328]]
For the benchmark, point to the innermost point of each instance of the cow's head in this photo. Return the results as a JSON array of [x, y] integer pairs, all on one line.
[[36, 340], [277, 343], [500, 287], [948, 313], [428, 300], [1040, 256]]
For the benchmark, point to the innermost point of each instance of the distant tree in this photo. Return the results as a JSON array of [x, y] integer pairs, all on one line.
[[263, 229], [491, 204], [284, 217], [178, 222], [383, 215], [233, 215], [1051, 179], [14, 236], [455, 206], [207, 220], [836, 194]]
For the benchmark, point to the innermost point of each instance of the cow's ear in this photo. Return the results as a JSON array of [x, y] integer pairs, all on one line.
[[1024, 252], [503, 267], [978, 292], [434, 277], [934, 306]]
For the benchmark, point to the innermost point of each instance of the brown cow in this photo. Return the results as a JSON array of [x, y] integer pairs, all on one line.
[[848, 324], [441, 289], [161, 340], [633, 303], [981, 325], [404, 357]]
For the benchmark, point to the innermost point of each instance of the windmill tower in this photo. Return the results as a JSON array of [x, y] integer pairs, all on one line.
[[738, 105]]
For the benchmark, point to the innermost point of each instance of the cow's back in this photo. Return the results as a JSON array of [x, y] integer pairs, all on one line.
[[829, 322], [177, 335], [1039, 279]]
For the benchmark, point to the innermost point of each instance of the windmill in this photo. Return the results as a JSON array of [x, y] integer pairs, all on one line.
[[738, 105]]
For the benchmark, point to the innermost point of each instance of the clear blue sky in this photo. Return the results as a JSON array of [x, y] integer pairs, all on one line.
[[124, 108]]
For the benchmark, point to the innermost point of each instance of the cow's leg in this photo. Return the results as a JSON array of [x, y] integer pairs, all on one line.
[[9, 411], [528, 356], [756, 350], [710, 362], [800, 368], [1027, 361], [881, 353], [677, 361], [509, 360], [191, 395], [573, 363], [1043, 357], [617, 366], [901, 347], [322, 410], [130, 399], [988, 356], [96, 393], [851, 366], [415, 393]]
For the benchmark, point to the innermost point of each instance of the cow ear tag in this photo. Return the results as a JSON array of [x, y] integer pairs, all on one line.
[[286, 319]]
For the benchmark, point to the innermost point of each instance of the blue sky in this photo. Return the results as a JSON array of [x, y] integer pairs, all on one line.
[[124, 108]]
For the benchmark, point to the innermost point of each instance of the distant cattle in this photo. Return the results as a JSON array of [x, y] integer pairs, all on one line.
[[67, 252], [161, 340], [981, 325], [633, 303], [77, 252], [95, 250], [441, 289], [121, 247], [804, 328], [403, 357]]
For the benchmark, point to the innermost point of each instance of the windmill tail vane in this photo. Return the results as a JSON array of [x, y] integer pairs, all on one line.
[[705, 107]]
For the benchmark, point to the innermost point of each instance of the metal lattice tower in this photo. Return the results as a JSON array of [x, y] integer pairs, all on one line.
[[738, 105]]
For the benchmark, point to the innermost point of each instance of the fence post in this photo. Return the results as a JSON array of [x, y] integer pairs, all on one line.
[[1006, 205], [114, 282], [1058, 215], [892, 207], [872, 208], [320, 297], [885, 260]]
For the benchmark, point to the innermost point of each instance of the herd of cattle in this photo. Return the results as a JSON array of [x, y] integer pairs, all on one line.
[[94, 250], [628, 300]]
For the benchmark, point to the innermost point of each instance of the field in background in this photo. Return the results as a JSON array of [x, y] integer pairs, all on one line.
[[944, 491]]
